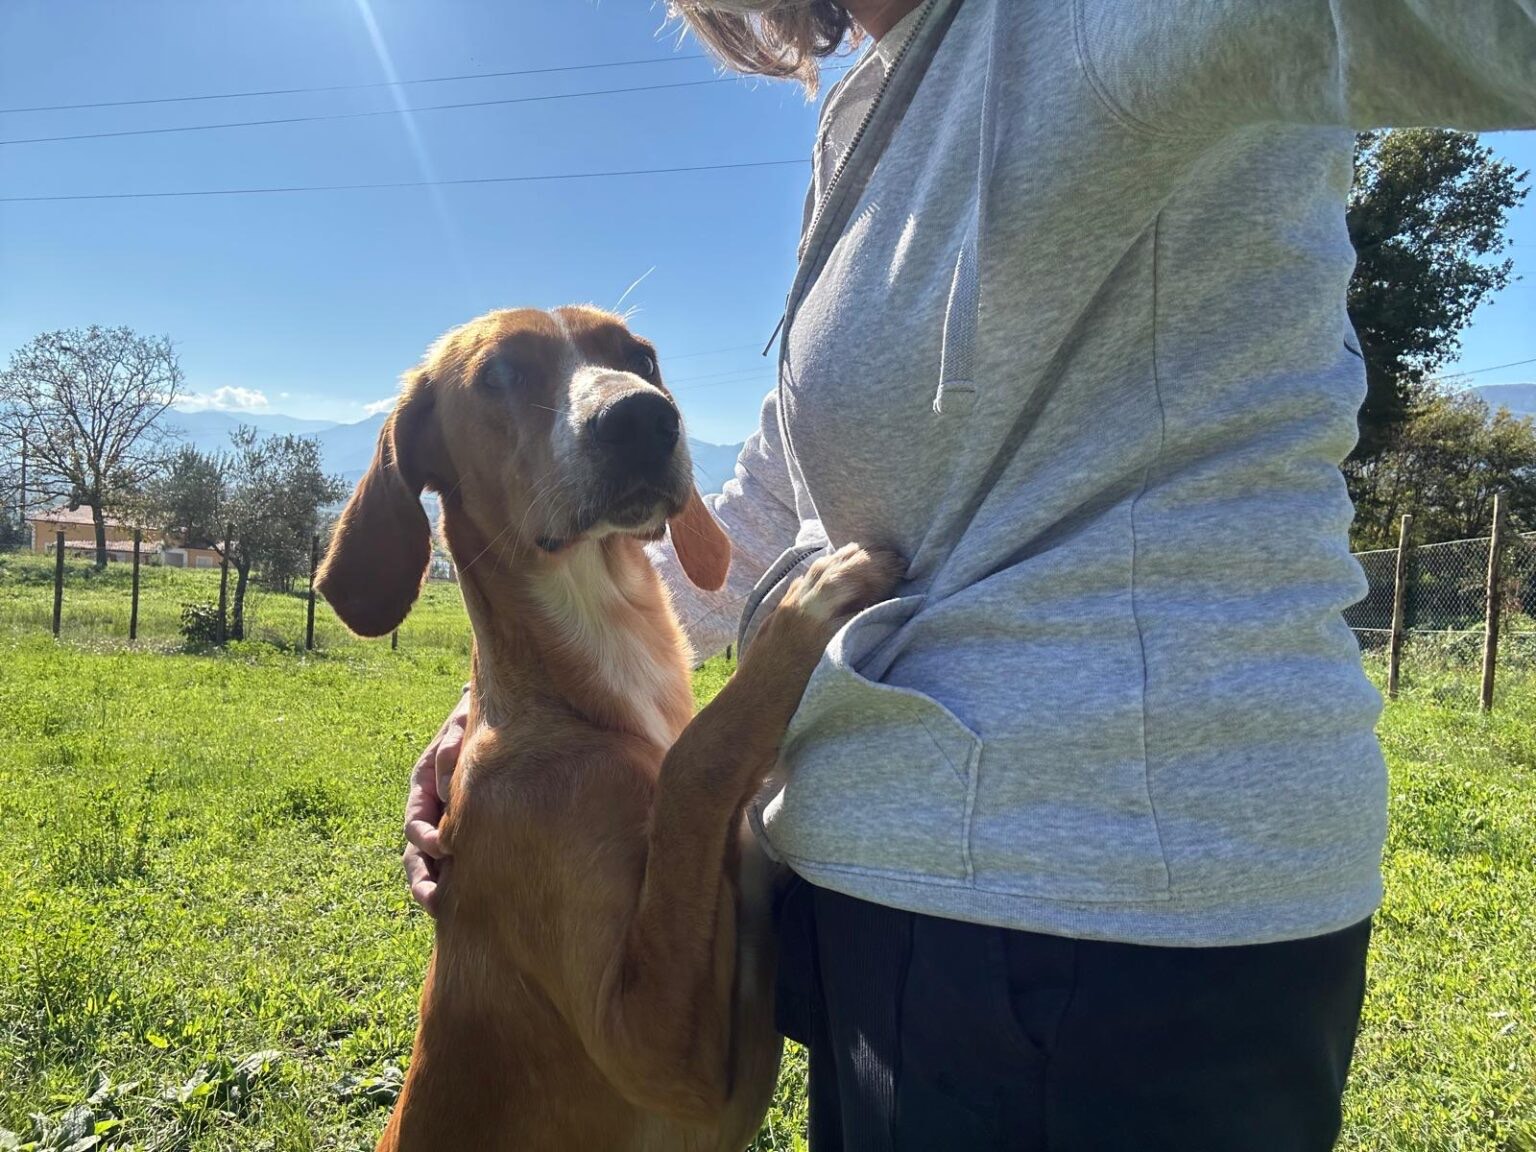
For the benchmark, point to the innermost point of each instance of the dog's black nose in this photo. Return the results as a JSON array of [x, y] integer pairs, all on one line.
[[639, 430]]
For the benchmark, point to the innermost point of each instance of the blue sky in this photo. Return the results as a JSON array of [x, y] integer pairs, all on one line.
[[315, 302]]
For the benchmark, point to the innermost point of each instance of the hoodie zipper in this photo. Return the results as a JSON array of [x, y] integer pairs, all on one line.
[[853, 146], [869, 116], [798, 555]]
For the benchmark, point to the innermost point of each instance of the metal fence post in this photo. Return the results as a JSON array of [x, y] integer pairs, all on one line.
[[394, 640], [309, 622], [1399, 607], [58, 582], [229, 530], [1491, 612], [133, 611]]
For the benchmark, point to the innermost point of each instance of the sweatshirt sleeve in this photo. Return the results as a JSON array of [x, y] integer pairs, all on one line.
[[1180, 67], [757, 511]]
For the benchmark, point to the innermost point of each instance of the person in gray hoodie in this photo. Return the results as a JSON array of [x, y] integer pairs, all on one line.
[[1089, 818]]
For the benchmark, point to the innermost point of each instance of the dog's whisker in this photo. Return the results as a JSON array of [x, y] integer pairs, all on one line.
[[544, 489], [494, 540]]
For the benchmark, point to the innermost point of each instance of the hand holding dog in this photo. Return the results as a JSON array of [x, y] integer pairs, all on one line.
[[424, 806]]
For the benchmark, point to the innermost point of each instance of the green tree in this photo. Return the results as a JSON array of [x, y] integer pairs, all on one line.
[[1427, 219], [269, 493], [1444, 466], [188, 500]]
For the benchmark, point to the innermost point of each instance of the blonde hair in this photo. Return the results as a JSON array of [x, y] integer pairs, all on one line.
[[787, 40]]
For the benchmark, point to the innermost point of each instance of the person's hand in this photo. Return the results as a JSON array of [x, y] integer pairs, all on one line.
[[424, 806]]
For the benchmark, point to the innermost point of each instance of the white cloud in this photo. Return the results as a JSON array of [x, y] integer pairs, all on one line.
[[224, 400], [378, 406]]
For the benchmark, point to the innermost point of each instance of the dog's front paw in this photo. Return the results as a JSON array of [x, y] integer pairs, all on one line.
[[837, 587]]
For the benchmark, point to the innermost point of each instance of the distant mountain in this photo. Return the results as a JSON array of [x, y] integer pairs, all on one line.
[[210, 430], [1520, 399], [347, 448], [713, 464]]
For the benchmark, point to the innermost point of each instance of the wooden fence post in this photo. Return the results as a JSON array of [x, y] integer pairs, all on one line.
[[58, 583], [1491, 612], [309, 623], [133, 611], [1399, 608], [229, 530]]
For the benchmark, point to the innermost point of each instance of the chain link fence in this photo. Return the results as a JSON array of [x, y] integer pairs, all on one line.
[[1445, 602], [1371, 617], [1446, 587], [1521, 608]]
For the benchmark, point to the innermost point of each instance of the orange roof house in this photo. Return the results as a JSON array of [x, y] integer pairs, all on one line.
[[78, 526], [79, 530]]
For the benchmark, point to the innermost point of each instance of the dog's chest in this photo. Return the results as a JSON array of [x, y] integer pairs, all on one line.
[[632, 673], [628, 663]]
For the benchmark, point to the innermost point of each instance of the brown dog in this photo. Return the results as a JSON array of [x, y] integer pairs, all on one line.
[[602, 973]]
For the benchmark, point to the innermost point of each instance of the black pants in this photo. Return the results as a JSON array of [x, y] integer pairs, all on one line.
[[931, 1035]]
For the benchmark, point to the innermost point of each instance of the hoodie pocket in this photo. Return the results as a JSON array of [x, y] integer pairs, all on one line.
[[879, 778]]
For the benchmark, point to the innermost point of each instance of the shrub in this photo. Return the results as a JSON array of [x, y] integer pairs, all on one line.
[[200, 626]]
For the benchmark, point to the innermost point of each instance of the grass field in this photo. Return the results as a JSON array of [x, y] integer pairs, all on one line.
[[207, 943]]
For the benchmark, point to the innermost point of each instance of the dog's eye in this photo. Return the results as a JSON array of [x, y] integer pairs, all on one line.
[[503, 375], [643, 364]]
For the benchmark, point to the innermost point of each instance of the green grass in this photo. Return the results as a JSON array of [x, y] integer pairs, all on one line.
[[206, 925]]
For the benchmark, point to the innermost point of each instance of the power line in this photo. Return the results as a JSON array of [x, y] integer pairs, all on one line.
[[368, 115], [715, 373], [755, 370], [1495, 368], [537, 179], [667, 357], [713, 352], [763, 376], [354, 87]]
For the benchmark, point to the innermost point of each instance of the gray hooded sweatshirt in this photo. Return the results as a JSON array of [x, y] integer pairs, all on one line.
[[1069, 333]]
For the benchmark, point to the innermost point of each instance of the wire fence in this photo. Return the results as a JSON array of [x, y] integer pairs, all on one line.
[[1446, 589], [168, 608], [1452, 602], [1441, 602]]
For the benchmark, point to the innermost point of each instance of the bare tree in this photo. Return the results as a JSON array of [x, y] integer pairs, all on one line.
[[12, 493], [89, 401], [12, 500]]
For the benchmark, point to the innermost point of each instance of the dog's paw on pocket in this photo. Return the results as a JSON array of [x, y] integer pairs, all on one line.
[[847, 581]]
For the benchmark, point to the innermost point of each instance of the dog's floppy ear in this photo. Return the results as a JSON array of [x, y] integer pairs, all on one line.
[[701, 545], [382, 544]]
